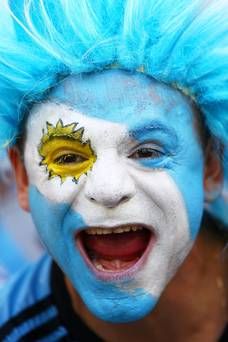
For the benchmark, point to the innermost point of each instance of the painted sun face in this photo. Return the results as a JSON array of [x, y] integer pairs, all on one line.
[[116, 187], [64, 153]]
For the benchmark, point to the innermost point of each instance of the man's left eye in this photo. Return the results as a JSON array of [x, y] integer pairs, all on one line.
[[146, 152], [69, 158]]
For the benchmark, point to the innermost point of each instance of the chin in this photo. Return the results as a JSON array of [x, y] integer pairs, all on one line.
[[115, 304], [125, 309]]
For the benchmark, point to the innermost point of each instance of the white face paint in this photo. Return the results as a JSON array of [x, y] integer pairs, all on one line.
[[143, 169]]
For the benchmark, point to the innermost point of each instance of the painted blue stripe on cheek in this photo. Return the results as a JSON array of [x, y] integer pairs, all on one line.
[[57, 225], [192, 192], [188, 176]]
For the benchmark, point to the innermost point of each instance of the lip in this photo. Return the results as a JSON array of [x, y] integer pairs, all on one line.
[[117, 276]]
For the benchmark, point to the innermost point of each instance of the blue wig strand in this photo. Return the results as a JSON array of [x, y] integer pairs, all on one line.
[[182, 43]]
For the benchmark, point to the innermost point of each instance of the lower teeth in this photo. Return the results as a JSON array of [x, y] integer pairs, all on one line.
[[98, 266], [113, 265]]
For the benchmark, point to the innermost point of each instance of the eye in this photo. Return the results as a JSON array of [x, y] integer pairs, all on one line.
[[69, 158], [146, 152]]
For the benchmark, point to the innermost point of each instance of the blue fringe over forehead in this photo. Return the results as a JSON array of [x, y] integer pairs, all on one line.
[[182, 43]]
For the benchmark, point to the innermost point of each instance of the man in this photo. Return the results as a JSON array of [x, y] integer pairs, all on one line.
[[119, 131]]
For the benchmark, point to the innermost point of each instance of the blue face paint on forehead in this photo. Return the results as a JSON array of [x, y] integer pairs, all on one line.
[[116, 95]]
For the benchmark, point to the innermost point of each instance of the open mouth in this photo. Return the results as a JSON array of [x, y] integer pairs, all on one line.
[[115, 251]]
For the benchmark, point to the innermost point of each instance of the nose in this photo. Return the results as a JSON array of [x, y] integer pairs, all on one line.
[[109, 183]]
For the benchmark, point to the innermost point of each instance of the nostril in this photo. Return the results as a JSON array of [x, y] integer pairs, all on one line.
[[115, 202], [124, 199], [92, 199], [110, 202]]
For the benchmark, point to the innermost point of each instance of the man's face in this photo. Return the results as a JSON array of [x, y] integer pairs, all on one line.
[[116, 187]]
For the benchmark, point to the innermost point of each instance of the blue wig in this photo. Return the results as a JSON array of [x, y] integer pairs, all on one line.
[[181, 43]]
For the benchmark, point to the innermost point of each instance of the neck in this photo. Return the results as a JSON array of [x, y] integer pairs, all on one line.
[[192, 308]]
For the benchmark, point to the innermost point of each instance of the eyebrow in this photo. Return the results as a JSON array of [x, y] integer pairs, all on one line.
[[153, 127]]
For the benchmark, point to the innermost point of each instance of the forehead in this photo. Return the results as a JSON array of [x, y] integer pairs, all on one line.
[[122, 97], [113, 87]]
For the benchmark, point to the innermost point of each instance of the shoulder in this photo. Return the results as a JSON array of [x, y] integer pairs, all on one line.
[[11, 257], [26, 288], [26, 302]]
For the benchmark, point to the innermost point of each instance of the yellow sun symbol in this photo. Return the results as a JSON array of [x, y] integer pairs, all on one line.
[[64, 153]]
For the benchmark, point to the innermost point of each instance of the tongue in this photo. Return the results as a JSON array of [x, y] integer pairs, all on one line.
[[122, 246]]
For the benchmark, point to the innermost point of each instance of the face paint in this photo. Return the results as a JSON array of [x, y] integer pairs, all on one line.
[[64, 153], [122, 231]]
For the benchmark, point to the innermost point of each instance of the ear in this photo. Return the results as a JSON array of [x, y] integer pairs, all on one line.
[[213, 174], [20, 177]]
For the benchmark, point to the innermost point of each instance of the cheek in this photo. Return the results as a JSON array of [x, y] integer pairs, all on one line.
[[178, 187], [190, 183], [55, 190], [50, 219], [174, 237], [57, 225]]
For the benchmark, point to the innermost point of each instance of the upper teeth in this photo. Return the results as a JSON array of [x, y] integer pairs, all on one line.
[[100, 231]]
